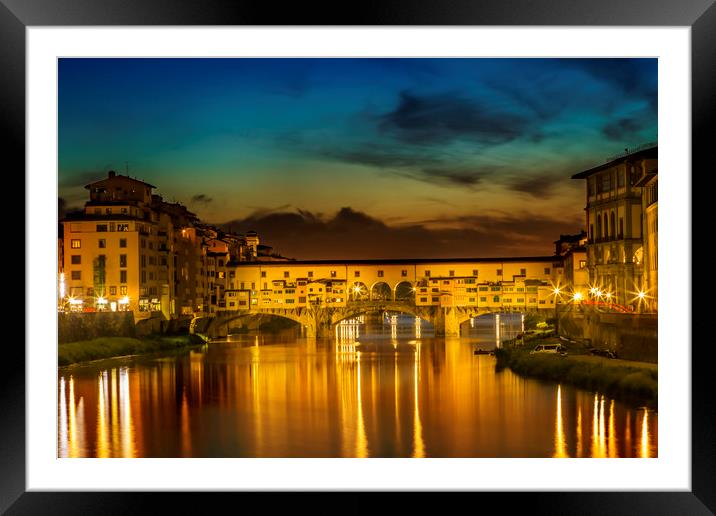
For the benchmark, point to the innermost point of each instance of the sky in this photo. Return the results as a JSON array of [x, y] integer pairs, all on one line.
[[359, 158]]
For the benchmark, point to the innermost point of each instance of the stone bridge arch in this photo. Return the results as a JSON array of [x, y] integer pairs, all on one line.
[[219, 325]]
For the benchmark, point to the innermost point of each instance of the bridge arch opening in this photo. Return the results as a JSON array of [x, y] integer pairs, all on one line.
[[404, 291], [358, 291], [381, 291]]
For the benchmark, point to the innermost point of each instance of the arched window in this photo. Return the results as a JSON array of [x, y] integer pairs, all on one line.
[[599, 227], [612, 225], [621, 227]]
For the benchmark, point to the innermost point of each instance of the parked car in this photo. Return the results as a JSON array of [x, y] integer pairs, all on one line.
[[603, 353], [547, 348]]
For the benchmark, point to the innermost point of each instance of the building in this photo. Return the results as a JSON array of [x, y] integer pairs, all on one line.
[[615, 222], [573, 250], [499, 283], [648, 182]]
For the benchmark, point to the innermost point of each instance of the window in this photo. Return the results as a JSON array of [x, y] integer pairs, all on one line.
[[112, 291], [474, 272], [122, 260], [263, 274], [435, 290], [520, 299], [122, 242], [582, 264], [102, 243], [108, 211], [483, 300], [220, 274], [452, 273], [436, 299], [310, 274], [380, 274], [76, 259], [621, 227], [144, 276], [404, 273], [423, 299], [75, 244], [523, 272], [90, 291], [143, 243], [499, 272], [356, 274], [123, 277], [495, 299], [76, 275], [302, 299], [285, 274], [144, 260], [482, 289], [591, 232], [101, 228], [123, 291], [620, 179], [546, 270], [427, 274], [606, 182]]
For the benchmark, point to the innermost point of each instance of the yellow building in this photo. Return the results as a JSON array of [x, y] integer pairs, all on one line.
[[649, 206], [615, 245], [447, 283]]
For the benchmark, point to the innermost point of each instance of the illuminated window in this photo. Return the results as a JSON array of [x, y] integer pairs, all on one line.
[[112, 291], [333, 274], [123, 291], [75, 244]]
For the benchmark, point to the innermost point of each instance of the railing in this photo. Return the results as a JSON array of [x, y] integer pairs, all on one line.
[[633, 150]]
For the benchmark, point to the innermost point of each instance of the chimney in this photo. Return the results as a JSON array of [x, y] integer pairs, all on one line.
[[112, 173]]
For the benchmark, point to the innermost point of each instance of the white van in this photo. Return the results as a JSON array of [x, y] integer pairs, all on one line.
[[547, 348]]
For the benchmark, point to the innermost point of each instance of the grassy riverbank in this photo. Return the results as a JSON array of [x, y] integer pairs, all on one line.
[[107, 347], [632, 382]]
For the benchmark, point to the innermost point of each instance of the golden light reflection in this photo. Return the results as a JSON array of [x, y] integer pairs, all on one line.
[[115, 412], [62, 452], [185, 428], [612, 432], [73, 449], [361, 438], [644, 451], [102, 435], [579, 430], [126, 427], [560, 443], [418, 445]]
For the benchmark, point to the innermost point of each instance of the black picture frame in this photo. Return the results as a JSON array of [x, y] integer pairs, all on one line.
[[17, 15]]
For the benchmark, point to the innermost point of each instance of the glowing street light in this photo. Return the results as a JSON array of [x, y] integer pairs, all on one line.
[[577, 296]]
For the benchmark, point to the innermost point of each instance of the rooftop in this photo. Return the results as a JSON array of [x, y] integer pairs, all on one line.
[[641, 152]]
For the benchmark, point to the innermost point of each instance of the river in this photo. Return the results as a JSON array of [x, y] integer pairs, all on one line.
[[383, 386]]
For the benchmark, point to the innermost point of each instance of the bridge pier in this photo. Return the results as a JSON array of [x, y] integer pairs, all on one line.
[[446, 322]]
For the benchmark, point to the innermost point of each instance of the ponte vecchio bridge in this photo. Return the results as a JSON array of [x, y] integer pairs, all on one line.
[[445, 292]]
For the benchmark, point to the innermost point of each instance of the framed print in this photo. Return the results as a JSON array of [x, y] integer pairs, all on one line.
[[414, 250]]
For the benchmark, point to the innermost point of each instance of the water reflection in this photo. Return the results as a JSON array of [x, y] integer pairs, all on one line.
[[382, 387]]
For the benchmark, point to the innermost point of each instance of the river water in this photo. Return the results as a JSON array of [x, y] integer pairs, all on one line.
[[383, 386]]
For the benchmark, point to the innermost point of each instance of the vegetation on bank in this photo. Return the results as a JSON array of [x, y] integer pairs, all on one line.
[[632, 382], [108, 347]]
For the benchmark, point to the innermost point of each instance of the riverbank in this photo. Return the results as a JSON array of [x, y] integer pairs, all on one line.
[[108, 347], [632, 382]]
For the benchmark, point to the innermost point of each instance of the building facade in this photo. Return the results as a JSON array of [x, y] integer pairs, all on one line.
[[615, 225]]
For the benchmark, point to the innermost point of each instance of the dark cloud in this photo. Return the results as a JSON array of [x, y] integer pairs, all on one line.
[[351, 234], [63, 207], [536, 185], [623, 130], [201, 199], [634, 78], [439, 119], [82, 178], [445, 176], [381, 155]]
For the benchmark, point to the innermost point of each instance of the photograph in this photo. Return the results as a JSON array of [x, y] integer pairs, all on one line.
[[354, 257]]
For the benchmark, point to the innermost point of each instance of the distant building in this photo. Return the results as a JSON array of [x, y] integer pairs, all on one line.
[[615, 222], [573, 250]]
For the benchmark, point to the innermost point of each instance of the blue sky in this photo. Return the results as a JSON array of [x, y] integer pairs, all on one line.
[[438, 145]]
